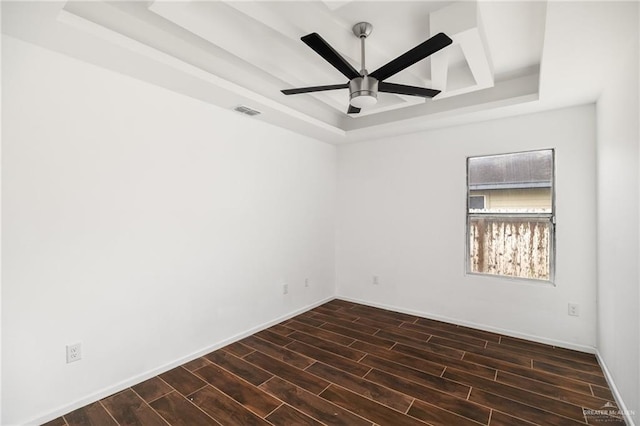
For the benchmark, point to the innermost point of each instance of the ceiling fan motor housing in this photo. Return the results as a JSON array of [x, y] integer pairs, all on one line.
[[363, 91]]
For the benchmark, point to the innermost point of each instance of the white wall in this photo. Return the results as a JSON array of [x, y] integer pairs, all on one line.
[[146, 225], [401, 217], [618, 152]]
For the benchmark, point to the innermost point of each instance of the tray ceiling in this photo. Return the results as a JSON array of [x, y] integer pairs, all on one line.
[[232, 53]]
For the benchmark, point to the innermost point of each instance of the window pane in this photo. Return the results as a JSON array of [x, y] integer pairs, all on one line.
[[514, 247], [512, 183]]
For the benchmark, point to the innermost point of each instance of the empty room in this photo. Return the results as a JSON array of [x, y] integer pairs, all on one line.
[[320, 212]]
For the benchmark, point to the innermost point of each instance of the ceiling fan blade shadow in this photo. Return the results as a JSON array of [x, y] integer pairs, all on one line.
[[322, 48], [421, 51], [353, 110], [402, 89], [314, 89]]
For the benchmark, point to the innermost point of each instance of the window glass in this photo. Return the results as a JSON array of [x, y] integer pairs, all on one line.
[[510, 215]]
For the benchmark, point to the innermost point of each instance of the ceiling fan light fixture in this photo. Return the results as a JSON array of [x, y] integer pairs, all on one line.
[[363, 100], [363, 91]]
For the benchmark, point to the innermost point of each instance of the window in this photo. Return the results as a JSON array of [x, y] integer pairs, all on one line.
[[510, 215], [476, 201]]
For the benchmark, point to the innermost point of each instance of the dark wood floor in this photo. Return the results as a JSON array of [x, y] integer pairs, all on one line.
[[349, 364]]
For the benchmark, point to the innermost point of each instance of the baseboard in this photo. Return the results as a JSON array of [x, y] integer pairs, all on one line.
[[614, 390], [506, 332], [96, 396]]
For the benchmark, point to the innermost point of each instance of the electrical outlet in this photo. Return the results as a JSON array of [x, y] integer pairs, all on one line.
[[285, 288], [574, 309], [74, 353], [306, 282], [375, 280]]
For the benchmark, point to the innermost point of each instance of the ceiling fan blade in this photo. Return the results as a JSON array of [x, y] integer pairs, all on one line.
[[402, 89], [314, 89], [353, 110], [330, 55], [421, 51]]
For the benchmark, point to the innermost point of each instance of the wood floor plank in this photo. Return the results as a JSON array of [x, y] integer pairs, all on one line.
[[339, 304], [436, 416], [524, 411], [177, 411], [281, 329], [509, 357], [501, 419], [453, 328], [340, 313], [321, 333], [517, 394], [224, 409], [551, 391], [457, 363], [285, 415], [399, 358], [446, 334], [239, 367], [367, 408], [382, 394], [311, 404], [346, 324], [602, 392], [278, 352], [437, 349], [540, 356], [195, 364], [272, 337], [595, 379], [418, 376], [413, 334], [329, 346], [182, 380], [379, 322], [291, 374], [306, 319], [438, 399], [575, 365], [456, 344], [90, 415], [495, 363], [152, 389], [238, 349], [364, 337], [240, 390], [127, 408], [550, 350], [329, 358]]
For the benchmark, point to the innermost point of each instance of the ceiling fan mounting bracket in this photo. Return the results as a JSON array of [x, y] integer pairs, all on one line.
[[362, 29]]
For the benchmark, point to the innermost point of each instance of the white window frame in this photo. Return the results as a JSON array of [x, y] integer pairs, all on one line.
[[551, 217]]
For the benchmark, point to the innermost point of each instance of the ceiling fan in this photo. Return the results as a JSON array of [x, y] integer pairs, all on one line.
[[364, 87]]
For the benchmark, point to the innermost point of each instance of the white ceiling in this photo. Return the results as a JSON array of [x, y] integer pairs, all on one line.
[[244, 52]]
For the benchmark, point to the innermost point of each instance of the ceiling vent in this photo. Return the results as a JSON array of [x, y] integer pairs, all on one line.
[[246, 110]]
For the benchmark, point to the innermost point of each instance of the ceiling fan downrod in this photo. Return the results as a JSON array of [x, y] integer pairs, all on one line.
[[363, 90]]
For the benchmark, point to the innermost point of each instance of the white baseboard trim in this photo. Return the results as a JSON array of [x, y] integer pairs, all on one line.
[[96, 396], [614, 390], [506, 332]]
